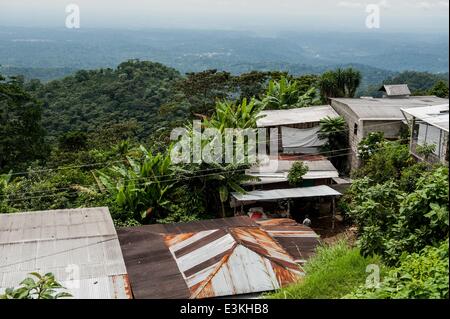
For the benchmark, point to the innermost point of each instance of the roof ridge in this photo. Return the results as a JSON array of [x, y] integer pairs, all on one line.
[[214, 272], [265, 255]]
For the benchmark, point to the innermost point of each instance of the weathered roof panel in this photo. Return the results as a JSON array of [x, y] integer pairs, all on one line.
[[387, 109], [436, 115], [396, 89], [206, 262], [229, 262], [79, 242], [276, 194], [298, 240], [276, 171], [295, 116]]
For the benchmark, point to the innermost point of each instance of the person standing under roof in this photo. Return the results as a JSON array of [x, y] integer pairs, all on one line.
[[307, 221]]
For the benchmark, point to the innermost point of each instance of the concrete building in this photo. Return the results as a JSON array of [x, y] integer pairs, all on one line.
[[297, 128], [430, 126], [365, 115], [395, 90]]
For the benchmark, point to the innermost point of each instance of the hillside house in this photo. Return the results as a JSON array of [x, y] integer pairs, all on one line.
[[365, 115], [395, 90], [430, 126], [271, 195], [274, 173], [297, 128]]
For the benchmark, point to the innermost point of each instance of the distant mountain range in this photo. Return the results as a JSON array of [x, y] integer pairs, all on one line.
[[53, 53]]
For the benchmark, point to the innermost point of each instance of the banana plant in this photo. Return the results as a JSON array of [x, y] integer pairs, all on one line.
[[230, 114], [286, 94], [4, 183], [227, 179], [141, 185]]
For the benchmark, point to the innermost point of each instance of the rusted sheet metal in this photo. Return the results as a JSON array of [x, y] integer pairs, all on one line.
[[292, 233], [284, 277], [121, 287], [219, 257], [298, 240], [276, 222], [262, 243], [238, 260], [284, 227]]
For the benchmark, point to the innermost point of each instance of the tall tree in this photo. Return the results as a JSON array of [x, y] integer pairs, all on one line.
[[21, 132], [339, 83], [440, 89], [202, 89], [335, 131], [251, 85]]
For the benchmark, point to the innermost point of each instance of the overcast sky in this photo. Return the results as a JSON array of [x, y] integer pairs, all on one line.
[[295, 15]]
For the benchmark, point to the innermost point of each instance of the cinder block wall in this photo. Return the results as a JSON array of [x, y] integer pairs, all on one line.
[[354, 139]]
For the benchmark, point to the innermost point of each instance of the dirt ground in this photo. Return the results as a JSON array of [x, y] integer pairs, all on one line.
[[322, 226]]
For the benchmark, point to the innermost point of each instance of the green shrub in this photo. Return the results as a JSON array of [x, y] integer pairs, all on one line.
[[43, 287], [423, 275], [386, 162], [391, 221], [411, 175], [296, 173], [426, 150], [370, 144], [333, 272]]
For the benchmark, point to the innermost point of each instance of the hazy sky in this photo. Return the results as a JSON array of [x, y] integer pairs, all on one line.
[[295, 15]]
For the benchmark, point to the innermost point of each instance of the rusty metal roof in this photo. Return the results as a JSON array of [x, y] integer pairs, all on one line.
[[79, 246], [229, 262], [210, 258], [298, 240]]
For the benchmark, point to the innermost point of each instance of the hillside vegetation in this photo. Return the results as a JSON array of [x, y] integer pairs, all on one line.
[[400, 209], [332, 273], [107, 144], [95, 99]]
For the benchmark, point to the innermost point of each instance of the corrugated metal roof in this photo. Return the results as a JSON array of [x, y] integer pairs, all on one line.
[[276, 194], [296, 116], [396, 89], [61, 241], [298, 240], [276, 171], [436, 115], [230, 262], [386, 109], [198, 247]]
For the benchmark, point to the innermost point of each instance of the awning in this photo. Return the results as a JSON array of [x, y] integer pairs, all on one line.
[[435, 115], [276, 194], [276, 171], [312, 114]]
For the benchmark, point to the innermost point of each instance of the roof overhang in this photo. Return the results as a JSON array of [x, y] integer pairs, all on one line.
[[436, 115], [311, 114], [288, 193]]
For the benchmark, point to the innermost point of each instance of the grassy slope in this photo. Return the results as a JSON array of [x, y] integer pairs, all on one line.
[[332, 273]]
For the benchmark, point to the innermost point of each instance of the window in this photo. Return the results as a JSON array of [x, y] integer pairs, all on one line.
[[355, 129]]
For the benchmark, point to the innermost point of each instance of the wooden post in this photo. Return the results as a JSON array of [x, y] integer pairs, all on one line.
[[289, 209], [333, 205]]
